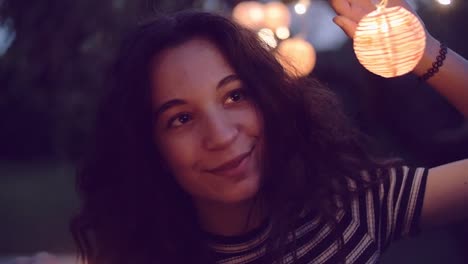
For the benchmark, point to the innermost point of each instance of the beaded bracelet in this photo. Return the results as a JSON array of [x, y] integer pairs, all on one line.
[[436, 64]]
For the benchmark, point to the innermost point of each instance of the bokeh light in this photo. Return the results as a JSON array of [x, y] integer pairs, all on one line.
[[249, 14], [282, 32], [297, 56], [276, 15], [300, 8], [268, 37], [444, 2]]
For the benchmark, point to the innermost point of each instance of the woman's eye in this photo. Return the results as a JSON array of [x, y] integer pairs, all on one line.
[[179, 120], [237, 95]]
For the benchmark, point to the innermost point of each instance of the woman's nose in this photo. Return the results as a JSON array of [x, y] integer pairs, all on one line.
[[219, 131]]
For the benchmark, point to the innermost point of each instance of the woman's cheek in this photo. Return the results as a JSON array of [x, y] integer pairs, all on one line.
[[179, 151]]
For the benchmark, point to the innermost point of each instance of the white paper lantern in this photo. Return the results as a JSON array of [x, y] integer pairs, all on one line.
[[276, 15], [297, 56], [249, 14], [389, 42]]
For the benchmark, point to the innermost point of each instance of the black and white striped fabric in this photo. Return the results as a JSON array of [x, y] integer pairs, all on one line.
[[370, 222]]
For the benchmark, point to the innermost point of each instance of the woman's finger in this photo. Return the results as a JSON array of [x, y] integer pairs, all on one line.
[[354, 10], [346, 24], [341, 7]]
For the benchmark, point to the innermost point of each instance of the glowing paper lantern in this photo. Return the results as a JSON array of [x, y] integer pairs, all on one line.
[[297, 56], [389, 41], [276, 15], [249, 14]]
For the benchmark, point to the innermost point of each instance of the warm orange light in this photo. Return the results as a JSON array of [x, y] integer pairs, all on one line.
[[276, 15], [389, 41], [297, 56], [282, 32], [249, 14]]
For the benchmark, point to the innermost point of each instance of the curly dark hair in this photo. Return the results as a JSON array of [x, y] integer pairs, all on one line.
[[133, 210]]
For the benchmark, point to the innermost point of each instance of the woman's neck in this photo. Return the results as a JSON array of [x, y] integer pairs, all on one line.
[[230, 219]]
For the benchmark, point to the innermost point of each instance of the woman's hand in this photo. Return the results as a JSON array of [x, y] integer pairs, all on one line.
[[350, 12]]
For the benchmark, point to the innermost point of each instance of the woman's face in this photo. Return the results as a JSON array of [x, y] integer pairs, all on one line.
[[207, 128]]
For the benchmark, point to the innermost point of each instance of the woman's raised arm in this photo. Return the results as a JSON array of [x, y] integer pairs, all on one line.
[[451, 81], [446, 197]]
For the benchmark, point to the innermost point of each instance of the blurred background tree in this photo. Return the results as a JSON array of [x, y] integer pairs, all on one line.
[[51, 74], [54, 56]]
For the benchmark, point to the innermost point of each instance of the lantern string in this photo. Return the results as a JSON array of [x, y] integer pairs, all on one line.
[[382, 4]]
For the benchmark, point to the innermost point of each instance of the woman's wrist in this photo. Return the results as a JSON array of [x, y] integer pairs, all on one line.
[[430, 54]]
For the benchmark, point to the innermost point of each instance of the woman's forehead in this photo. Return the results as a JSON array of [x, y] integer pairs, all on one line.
[[193, 65]]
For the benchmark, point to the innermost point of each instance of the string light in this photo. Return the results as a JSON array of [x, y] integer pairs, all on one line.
[[444, 2], [301, 7], [282, 32], [268, 37], [389, 41]]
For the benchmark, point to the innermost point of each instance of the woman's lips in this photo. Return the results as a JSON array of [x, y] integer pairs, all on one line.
[[233, 167]]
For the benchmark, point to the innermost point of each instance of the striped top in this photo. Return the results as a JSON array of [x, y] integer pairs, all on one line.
[[370, 222]]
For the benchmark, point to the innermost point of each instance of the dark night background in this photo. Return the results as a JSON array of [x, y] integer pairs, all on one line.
[[50, 82]]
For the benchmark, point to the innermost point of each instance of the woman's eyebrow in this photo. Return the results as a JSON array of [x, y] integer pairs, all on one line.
[[166, 106], [226, 80]]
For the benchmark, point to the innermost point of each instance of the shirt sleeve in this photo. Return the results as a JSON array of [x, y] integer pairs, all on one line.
[[399, 200]]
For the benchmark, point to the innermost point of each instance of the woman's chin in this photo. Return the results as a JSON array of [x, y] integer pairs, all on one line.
[[238, 192]]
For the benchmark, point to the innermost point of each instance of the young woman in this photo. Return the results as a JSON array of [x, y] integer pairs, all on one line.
[[208, 152]]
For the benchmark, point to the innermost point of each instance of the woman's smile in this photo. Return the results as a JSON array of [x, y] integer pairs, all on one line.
[[235, 167]]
